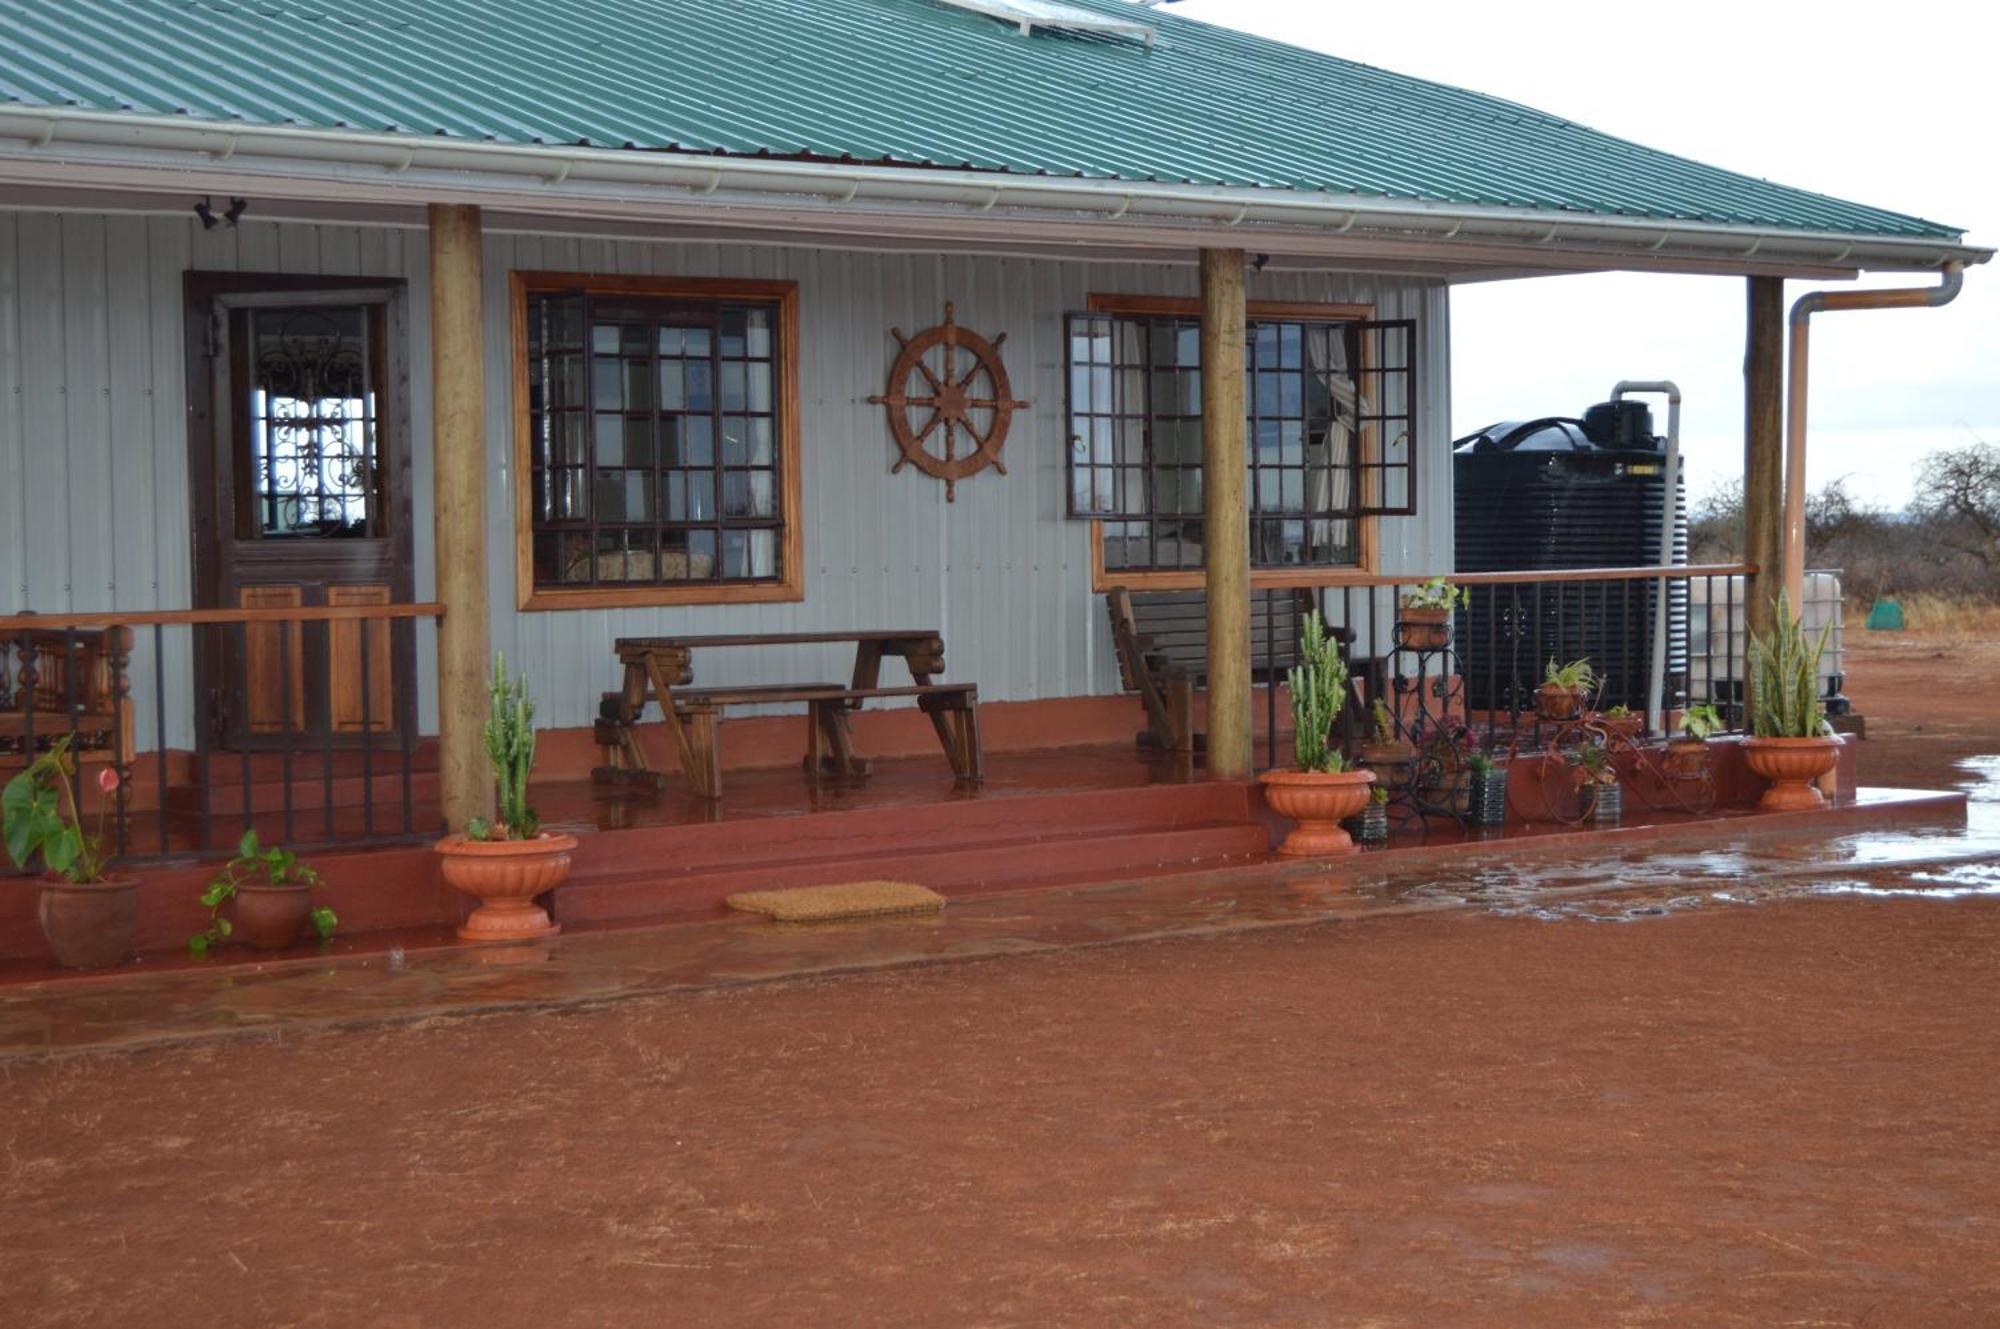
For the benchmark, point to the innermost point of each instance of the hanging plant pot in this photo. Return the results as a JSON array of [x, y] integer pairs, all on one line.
[[1489, 797], [1318, 801], [1423, 629], [1371, 824], [1554, 702], [88, 925], [1607, 803], [1792, 765], [1687, 758], [506, 876]]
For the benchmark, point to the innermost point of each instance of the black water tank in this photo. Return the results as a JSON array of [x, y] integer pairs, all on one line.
[[1557, 493]]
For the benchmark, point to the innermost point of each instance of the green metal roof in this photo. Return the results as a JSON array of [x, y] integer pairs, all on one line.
[[900, 82]]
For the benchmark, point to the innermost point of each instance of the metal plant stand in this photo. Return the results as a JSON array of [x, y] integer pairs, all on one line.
[[1646, 774], [1430, 700]]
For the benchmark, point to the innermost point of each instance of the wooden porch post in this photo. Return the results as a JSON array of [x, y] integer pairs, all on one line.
[[458, 408], [1226, 544], [1764, 448]]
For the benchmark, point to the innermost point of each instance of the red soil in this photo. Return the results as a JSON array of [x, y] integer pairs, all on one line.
[[1755, 1116]]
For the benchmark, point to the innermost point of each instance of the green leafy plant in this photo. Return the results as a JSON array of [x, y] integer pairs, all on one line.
[[1701, 722], [40, 817], [510, 748], [1437, 593], [1319, 686], [1576, 676], [1481, 764], [1592, 764], [1784, 679], [1619, 713], [1378, 794], [253, 863]]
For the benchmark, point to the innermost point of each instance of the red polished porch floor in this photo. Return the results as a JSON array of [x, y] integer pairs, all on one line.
[[1885, 840]]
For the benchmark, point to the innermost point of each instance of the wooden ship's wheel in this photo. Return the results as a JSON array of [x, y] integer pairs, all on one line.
[[927, 401]]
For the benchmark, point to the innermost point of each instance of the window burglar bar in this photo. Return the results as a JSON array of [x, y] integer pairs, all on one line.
[[653, 440], [1331, 424]]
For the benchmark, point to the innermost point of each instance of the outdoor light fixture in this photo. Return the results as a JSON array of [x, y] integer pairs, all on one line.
[[206, 211]]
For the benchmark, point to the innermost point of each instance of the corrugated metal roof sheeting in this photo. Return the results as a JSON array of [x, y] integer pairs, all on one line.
[[905, 82]]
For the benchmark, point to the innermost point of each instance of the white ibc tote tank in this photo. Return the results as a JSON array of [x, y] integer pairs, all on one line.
[[1718, 634]]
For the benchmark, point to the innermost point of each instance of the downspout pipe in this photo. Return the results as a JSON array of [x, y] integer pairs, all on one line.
[[1951, 280], [1656, 681]]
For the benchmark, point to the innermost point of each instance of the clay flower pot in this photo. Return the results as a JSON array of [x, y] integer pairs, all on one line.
[[1318, 801], [271, 917], [88, 925], [1687, 757], [506, 876], [1791, 765], [1423, 629], [1559, 703]]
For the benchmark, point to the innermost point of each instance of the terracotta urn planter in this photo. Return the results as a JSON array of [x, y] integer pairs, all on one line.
[[1687, 757], [271, 917], [1318, 801], [1559, 703], [88, 925], [1792, 765], [1423, 629], [506, 876]]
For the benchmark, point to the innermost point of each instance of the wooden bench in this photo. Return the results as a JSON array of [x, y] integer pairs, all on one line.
[[57, 681], [1161, 638], [659, 671]]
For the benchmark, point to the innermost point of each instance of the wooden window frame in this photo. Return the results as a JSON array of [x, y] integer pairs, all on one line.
[[1367, 535], [789, 585]]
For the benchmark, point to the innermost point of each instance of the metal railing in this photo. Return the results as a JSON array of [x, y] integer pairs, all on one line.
[[1511, 626], [305, 728]]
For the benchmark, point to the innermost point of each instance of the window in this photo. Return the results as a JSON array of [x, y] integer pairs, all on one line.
[[1329, 399], [311, 467], [658, 441]]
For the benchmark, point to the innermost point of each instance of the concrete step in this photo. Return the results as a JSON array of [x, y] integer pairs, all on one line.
[[964, 866]]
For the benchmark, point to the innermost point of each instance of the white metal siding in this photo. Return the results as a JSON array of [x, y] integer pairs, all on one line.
[[93, 471]]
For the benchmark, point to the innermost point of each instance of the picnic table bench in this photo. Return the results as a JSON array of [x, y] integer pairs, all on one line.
[[660, 670]]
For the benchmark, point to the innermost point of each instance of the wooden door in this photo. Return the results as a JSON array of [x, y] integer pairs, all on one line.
[[300, 470]]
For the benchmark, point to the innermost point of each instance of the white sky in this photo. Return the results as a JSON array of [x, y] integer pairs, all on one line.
[[1899, 111]]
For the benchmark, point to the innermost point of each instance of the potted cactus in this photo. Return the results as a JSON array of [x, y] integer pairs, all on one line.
[[509, 861], [1320, 791], [1687, 752], [1791, 744], [1384, 753], [1565, 690], [1423, 622]]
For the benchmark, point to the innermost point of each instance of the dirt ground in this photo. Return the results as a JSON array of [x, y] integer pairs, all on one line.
[[1929, 702], [1730, 1115]]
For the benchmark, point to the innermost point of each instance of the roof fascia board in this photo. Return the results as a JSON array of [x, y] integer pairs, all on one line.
[[125, 150]]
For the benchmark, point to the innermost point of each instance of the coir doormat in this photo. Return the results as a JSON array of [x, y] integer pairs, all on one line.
[[851, 899]]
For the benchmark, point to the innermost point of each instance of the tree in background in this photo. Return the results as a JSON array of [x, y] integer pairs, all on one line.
[[1948, 544], [1958, 490]]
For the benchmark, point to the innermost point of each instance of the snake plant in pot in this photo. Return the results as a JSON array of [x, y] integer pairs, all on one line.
[[1319, 791], [1791, 744], [510, 860]]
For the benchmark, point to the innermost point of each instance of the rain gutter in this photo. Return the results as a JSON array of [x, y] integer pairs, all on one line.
[[139, 150], [1950, 282]]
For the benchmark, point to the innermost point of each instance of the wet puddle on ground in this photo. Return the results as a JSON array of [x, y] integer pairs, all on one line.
[[1938, 863]]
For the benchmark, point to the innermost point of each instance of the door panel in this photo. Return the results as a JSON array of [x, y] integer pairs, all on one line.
[[299, 461], [349, 715], [274, 692]]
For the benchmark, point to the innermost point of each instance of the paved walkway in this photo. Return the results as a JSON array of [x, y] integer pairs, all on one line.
[[1650, 875]]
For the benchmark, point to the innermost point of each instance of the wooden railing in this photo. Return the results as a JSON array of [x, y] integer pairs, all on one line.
[[298, 721]]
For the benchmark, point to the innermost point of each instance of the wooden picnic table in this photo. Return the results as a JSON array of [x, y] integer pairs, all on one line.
[[661, 670]]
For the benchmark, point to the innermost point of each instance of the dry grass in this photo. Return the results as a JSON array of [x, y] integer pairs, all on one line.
[[1946, 615]]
